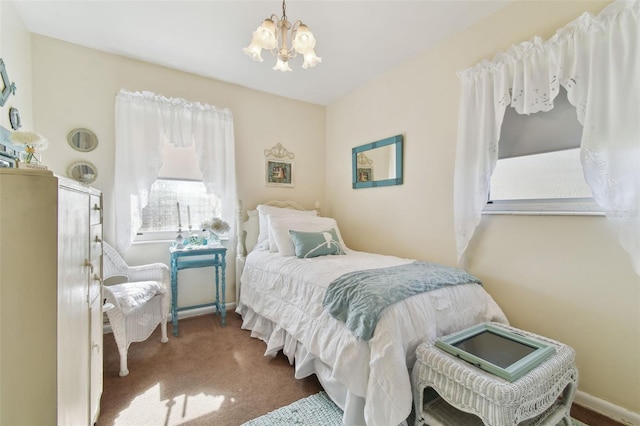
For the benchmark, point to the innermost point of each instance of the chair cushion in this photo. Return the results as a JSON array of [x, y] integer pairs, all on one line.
[[133, 294]]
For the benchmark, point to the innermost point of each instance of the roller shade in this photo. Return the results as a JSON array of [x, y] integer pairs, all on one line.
[[556, 130]]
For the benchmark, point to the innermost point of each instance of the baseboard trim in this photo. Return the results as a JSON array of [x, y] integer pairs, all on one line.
[[230, 307], [608, 409]]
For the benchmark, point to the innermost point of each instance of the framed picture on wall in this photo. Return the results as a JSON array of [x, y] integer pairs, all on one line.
[[279, 173], [278, 166]]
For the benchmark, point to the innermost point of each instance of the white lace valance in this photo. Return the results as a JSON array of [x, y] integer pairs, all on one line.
[[144, 121], [597, 60]]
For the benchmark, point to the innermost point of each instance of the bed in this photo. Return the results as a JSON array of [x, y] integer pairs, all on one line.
[[280, 299]]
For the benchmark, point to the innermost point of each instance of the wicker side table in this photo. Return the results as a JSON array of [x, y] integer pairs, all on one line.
[[471, 396]]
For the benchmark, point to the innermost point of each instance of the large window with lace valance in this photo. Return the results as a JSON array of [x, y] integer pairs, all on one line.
[[145, 123], [596, 59]]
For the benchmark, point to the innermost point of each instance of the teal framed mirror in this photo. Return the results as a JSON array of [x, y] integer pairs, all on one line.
[[7, 88], [378, 163]]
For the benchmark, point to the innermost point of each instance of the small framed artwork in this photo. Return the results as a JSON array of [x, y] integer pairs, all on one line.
[[278, 166], [365, 174], [279, 173]]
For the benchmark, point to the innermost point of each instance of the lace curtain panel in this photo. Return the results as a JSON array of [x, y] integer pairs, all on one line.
[[144, 121], [597, 60]]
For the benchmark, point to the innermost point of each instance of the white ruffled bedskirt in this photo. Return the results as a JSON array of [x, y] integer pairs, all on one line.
[[305, 363]]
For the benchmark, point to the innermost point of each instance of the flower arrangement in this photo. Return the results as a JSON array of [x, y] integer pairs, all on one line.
[[31, 141], [216, 225]]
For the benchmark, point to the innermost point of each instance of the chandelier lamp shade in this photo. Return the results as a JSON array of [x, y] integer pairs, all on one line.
[[273, 35]]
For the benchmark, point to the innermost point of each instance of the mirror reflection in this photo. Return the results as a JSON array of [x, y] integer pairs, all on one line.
[[83, 172], [378, 163], [83, 140]]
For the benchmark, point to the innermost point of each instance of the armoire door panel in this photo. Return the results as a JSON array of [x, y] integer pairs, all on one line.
[[73, 308]]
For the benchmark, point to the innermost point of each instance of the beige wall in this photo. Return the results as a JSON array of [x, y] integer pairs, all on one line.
[[76, 87], [564, 277], [15, 50]]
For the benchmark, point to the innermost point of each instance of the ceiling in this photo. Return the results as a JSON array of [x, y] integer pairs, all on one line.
[[357, 40]]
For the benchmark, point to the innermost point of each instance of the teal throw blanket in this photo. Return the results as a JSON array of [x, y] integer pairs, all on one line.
[[358, 298]]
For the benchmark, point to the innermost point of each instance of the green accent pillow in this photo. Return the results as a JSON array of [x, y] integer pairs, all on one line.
[[313, 244]]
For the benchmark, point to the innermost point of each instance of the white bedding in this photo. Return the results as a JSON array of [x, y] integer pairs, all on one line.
[[281, 301]]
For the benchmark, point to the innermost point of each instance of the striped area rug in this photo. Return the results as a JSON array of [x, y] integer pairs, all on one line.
[[314, 410]]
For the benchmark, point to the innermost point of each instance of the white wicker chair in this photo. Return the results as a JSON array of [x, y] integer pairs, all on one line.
[[134, 322]]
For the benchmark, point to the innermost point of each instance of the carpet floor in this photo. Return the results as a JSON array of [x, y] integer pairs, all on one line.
[[211, 376], [314, 410]]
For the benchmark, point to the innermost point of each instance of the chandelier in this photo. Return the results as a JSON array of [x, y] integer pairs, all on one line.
[[273, 34]]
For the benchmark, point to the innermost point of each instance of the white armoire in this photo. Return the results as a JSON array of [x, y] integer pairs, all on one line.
[[50, 300]]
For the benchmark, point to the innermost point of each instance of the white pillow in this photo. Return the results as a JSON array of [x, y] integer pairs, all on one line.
[[264, 211], [279, 227]]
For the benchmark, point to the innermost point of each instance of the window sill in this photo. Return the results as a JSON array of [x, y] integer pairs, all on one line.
[[558, 207], [163, 237], [539, 213], [142, 242]]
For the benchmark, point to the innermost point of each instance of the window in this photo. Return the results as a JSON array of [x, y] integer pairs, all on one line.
[[180, 181], [538, 168], [168, 138], [160, 216]]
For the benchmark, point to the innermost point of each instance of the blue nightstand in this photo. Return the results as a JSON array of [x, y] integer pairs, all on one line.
[[198, 257]]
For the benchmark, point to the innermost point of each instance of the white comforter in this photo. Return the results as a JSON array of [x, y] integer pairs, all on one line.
[[289, 291]]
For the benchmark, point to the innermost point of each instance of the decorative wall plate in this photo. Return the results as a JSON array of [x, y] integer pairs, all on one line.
[[14, 118], [83, 140], [83, 171]]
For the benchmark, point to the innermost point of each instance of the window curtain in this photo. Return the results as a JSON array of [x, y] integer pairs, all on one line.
[[597, 60], [144, 121]]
